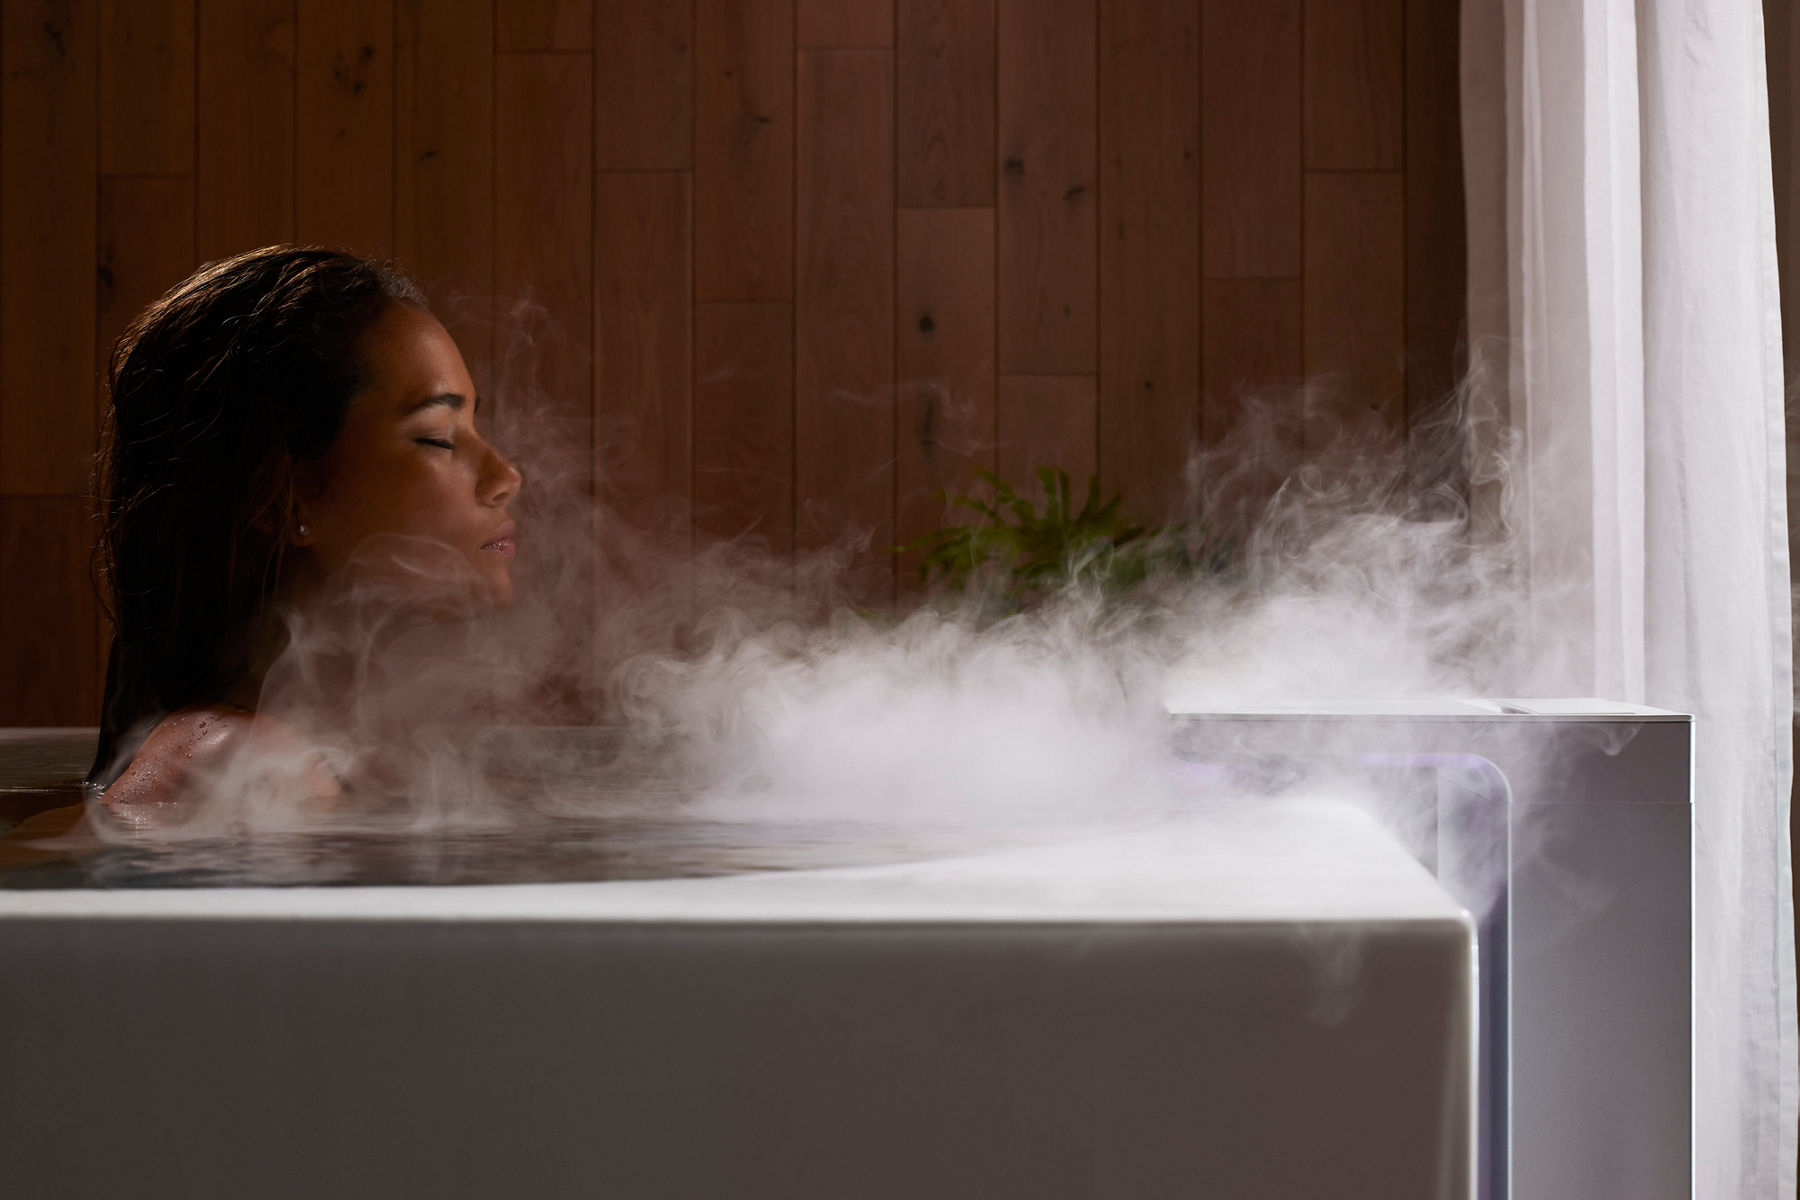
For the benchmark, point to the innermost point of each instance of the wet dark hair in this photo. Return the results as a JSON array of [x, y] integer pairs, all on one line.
[[216, 391]]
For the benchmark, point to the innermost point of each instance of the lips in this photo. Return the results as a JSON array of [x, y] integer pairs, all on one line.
[[502, 542]]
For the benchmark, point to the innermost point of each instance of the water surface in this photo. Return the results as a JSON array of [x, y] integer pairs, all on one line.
[[48, 840]]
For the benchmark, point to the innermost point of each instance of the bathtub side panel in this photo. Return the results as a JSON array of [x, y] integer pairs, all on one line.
[[232, 1058]]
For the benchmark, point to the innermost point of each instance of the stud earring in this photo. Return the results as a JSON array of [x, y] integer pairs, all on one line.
[[304, 531]]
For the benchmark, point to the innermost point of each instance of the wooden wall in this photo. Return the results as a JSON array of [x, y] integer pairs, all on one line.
[[801, 261], [1781, 39]]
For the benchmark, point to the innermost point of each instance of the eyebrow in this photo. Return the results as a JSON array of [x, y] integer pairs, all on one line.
[[450, 400]]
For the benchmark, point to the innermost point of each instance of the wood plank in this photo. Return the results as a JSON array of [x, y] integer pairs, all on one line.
[[1250, 138], [1436, 265], [1150, 254], [244, 131], [52, 676], [1251, 417], [1782, 48], [543, 341], [147, 86], [643, 86], [544, 255], [844, 23], [344, 151], [945, 102], [1354, 80], [47, 123], [1783, 53], [744, 150], [522, 25], [1048, 239], [744, 423], [444, 166], [844, 313], [944, 362], [643, 350], [1046, 421], [1355, 311], [146, 247]]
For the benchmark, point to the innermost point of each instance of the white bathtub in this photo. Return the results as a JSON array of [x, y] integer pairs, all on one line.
[[1219, 1007]]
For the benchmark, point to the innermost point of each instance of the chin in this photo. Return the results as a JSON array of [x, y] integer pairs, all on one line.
[[497, 590], [465, 595]]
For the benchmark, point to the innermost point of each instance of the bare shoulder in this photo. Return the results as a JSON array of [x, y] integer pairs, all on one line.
[[201, 741]]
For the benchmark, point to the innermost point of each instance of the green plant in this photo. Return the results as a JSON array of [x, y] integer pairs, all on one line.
[[1021, 552]]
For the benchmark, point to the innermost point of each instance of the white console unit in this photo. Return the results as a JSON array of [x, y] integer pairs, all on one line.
[[1567, 826]]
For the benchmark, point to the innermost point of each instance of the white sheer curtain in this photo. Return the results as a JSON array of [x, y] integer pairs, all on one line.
[[1625, 320]]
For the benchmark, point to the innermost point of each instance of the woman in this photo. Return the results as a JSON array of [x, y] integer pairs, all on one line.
[[280, 423]]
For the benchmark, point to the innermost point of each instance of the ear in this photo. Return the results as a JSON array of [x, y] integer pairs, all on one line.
[[306, 485], [284, 517], [284, 521]]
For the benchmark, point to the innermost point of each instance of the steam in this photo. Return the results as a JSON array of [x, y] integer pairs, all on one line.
[[717, 680]]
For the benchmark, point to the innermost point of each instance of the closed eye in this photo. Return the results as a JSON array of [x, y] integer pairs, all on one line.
[[440, 443]]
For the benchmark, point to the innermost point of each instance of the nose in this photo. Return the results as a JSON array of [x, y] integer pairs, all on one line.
[[500, 480]]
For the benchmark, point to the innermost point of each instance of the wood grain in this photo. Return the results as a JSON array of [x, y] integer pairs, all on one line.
[[643, 86], [47, 120], [544, 257], [744, 150], [1251, 417], [1250, 138], [50, 660], [146, 86], [1047, 237], [1047, 421], [1781, 38], [643, 350], [1783, 52], [244, 132], [844, 23], [1149, 251], [344, 122], [844, 314], [444, 166], [544, 25], [945, 102], [744, 423], [145, 247], [543, 353], [944, 364], [1355, 311], [169, 132], [1436, 265], [1354, 73]]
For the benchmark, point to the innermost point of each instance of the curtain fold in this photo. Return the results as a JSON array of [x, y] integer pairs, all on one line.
[[1625, 327]]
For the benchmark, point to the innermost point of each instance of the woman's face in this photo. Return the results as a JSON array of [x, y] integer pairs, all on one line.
[[410, 490]]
